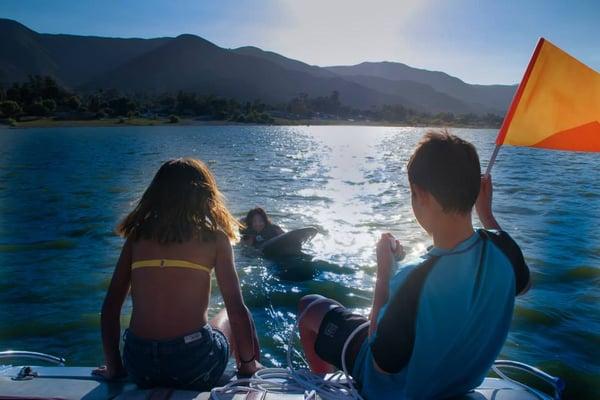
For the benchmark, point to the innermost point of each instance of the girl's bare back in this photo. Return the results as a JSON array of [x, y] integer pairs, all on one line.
[[169, 301]]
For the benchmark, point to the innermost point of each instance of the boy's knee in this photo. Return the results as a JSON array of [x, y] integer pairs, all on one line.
[[307, 300]]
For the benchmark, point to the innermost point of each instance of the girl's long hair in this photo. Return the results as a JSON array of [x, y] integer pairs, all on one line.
[[182, 202]]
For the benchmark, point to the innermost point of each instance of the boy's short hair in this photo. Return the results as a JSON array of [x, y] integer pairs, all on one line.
[[447, 167]]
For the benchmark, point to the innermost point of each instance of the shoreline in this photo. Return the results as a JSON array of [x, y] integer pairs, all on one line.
[[125, 122]]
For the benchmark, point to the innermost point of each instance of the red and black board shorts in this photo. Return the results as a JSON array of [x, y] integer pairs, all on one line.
[[337, 325]]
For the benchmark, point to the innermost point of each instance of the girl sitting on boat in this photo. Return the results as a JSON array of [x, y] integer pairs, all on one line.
[[179, 232], [259, 228]]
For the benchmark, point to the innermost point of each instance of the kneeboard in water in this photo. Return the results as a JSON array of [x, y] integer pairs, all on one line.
[[289, 243]]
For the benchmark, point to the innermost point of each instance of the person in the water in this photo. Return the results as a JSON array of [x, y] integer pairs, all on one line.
[[177, 235], [259, 228], [437, 323]]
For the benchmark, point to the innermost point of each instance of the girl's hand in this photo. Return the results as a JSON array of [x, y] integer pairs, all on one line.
[[249, 369], [108, 373]]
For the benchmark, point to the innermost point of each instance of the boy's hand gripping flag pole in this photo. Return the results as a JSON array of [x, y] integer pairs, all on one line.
[[556, 106]]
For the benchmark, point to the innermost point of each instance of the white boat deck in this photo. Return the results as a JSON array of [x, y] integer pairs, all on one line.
[[78, 383]]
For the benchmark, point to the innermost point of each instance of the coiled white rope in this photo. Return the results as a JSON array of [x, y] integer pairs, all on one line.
[[337, 386]]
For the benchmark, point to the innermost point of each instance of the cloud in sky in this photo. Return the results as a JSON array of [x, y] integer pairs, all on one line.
[[346, 32]]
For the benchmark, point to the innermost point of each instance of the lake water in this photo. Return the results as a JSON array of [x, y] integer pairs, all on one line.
[[62, 191]]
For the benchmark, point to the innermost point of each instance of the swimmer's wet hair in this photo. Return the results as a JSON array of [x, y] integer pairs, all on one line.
[[447, 167], [257, 211]]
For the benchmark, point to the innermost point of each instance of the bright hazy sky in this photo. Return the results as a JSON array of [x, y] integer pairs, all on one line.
[[478, 41]]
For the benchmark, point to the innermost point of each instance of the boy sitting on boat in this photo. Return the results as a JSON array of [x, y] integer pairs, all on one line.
[[438, 323]]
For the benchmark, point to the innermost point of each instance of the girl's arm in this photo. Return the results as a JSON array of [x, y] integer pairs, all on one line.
[[111, 315], [279, 230], [247, 239], [240, 319]]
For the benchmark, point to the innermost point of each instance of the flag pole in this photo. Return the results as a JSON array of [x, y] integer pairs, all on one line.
[[513, 105], [492, 160]]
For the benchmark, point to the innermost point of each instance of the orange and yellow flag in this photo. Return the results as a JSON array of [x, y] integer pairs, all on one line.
[[557, 104]]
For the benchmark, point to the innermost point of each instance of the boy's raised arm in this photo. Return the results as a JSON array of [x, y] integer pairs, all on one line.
[[483, 205]]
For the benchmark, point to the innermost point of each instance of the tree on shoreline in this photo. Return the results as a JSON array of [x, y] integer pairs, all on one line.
[[10, 109], [42, 96]]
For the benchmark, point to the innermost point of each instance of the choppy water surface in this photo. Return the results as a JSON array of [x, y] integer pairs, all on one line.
[[63, 190]]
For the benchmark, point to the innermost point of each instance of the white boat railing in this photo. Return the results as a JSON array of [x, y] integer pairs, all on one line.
[[557, 383], [32, 355]]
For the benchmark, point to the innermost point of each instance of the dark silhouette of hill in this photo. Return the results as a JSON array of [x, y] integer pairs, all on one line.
[[193, 64], [288, 63], [421, 95], [22, 54], [81, 58], [71, 59], [190, 63], [493, 98]]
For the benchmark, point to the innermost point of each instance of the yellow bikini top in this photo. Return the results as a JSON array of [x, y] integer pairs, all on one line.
[[164, 263]]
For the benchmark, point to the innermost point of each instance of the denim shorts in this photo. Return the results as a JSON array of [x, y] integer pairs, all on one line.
[[195, 361]]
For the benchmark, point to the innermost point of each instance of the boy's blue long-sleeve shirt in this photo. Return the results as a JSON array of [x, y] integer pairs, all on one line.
[[461, 319]]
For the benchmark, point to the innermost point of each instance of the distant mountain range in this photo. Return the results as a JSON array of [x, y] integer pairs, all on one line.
[[190, 63]]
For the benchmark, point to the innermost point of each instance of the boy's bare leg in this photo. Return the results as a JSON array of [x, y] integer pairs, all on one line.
[[309, 328]]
